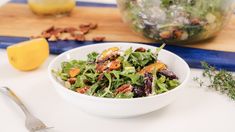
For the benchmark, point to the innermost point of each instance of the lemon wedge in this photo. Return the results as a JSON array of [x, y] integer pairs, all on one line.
[[28, 55]]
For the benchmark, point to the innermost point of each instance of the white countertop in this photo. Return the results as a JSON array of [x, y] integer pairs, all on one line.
[[198, 110]]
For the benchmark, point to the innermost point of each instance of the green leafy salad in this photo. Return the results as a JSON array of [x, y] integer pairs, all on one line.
[[176, 20], [118, 74]]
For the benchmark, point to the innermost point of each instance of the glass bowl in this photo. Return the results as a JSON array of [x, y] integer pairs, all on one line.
[[176, 20]]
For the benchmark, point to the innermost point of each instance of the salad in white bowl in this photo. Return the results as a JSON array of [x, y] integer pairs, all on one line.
[[119, 79]]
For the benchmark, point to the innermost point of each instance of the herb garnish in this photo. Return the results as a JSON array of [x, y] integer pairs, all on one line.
[[219, 80]]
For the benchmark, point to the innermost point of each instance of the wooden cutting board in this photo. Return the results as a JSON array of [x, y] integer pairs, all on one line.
[[17, 20], [18, 23]]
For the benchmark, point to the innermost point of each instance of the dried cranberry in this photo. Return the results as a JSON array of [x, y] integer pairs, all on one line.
[[171, 75], [141, 49], [148, 78], [101, 77], [138, 92]]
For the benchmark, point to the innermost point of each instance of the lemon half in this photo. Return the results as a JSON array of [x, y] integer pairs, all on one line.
[[28, 55]]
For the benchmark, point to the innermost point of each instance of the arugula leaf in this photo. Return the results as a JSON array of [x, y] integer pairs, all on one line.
[[125, 95], [107, 90], [160, 48], [166, 3], [91, 77], [154, 81], [79, 82], [108, 76], [59, 73], [173, 83], [161, 85], [64, 76], [93, 88], [92, 56], [66, 66], [141, 59], [129, 70], [116, 83], [127, 54], [116, 74], [135, 78]]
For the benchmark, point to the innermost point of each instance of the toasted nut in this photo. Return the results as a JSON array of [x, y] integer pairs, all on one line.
[[67, 84], [46, 35], [178, 34], [70, 29], [77, 33], [72, 80], [165, 34], [93, 26], [82, 90], [98, 39], [57, 32], [69, 33], [80, 38], [74, 72], [49, 29], [148, 69], [66, 36], [124, 88], [52, 38], [85, 30], [85, 25], [141, 49], [101, 67], [115, 65], [195, 21], [184, 36]]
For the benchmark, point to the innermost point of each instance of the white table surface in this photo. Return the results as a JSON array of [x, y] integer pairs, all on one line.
[[197, 110]]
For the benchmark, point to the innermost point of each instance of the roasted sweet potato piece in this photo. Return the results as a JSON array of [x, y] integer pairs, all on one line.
[[74, 72], [148, 69], [115, 65], [108, 52]]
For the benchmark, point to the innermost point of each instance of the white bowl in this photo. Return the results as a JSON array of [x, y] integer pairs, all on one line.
[[120, 108]]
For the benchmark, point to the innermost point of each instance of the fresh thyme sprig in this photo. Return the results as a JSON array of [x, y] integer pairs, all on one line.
[[219, 80]]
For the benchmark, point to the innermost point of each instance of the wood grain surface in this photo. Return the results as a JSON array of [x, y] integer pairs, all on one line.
[[18, 21]]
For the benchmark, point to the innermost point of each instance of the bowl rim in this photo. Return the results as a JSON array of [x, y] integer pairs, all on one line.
[[53, 79]]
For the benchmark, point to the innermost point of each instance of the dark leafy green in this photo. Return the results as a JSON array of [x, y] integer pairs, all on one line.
[[123, 82]]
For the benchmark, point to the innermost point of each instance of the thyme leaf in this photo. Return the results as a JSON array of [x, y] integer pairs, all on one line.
[[219, 80]]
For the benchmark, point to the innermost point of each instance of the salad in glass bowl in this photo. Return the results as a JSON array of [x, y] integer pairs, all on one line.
[[176, 20], [115, 73]]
